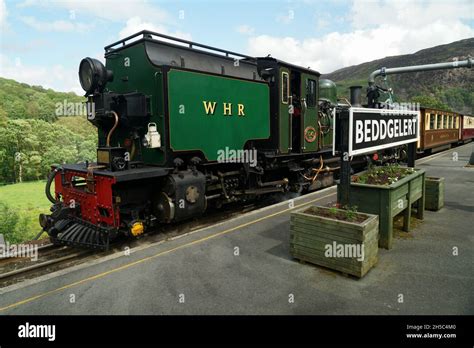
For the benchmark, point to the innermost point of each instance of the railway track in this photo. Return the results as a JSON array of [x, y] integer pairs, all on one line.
[[11, 256], [17, 268], [40, 260]]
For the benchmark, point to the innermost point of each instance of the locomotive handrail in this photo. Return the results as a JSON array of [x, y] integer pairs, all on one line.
[[148, 35]]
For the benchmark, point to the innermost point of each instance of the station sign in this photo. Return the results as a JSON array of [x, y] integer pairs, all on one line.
[[375, 129]]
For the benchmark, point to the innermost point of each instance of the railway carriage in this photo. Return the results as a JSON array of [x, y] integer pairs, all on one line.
[[443, 129], [438, 129], [467, 128]]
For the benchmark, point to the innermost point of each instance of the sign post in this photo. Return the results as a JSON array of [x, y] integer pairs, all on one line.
[[363, 130], [411, 155], [345, 173]]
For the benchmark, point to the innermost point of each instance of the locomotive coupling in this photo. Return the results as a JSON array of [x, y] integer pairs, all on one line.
[[45, 221]]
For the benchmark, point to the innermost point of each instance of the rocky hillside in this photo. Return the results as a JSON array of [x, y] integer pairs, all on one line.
[[454, 88]]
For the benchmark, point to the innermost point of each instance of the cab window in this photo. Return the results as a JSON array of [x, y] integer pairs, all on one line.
[[311, 93], [285, 87]]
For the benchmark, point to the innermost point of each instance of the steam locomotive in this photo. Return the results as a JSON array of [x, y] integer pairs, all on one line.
[[184, 128]]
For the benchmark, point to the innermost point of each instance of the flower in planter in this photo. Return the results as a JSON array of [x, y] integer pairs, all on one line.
[[385, 175]]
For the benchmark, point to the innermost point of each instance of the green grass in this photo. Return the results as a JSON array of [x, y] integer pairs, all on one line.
[[28, 200]]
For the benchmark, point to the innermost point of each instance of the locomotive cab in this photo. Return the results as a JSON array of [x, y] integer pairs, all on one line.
[[294, 105]]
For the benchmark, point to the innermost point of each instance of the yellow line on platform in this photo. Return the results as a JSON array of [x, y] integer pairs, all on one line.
[[128, 265]]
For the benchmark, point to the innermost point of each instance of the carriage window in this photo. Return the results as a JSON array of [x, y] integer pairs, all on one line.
[[451, 118], [427, 121], [445, 121], [439, 122], [285, 88], [457, 122], [311, 93], [432, 121]]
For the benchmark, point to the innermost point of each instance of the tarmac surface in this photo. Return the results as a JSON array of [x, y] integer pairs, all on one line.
[[243, 266]]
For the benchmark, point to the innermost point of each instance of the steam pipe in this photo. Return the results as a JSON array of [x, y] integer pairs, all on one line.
[[468, 63], [51, 177], [113, 128]]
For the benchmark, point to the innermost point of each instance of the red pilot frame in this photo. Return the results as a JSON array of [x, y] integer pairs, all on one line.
[[91, 193]]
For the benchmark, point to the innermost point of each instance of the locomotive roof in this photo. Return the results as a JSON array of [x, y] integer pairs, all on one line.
[[171, 41], [274, 61], [193, 55]]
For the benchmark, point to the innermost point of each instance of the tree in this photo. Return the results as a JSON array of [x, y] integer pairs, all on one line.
[[28, 148], [3, 117], [430, 102], [32, 136]]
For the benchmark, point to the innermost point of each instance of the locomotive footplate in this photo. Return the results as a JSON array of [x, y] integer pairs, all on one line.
[[76, 232], [144, 172]]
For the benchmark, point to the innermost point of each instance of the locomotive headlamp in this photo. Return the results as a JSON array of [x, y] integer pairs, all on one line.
[[93, 75]]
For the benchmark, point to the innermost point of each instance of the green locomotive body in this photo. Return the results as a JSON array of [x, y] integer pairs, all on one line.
[[208, 113], [183, 127]]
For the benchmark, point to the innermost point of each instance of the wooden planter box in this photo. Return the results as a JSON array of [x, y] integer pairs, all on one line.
[[434, 193], [387, 201], [311, 234]]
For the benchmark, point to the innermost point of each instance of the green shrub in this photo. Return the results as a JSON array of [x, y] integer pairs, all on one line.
[[12, 225]]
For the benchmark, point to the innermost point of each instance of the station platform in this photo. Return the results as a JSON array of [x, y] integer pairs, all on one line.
[[243, 266]]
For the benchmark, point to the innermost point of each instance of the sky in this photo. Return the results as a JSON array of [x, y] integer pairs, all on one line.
[[42, 42]]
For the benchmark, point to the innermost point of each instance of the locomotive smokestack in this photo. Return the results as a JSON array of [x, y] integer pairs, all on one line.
[[356, 92]]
